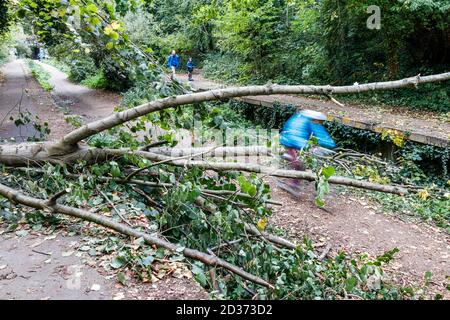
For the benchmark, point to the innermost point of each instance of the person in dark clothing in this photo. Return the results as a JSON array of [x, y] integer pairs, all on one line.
[[190, 68]]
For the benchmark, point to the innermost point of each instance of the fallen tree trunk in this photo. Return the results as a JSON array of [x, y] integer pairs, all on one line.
[[211, 260], [98, 155], [218, 152], [95, 127], [281, 173]]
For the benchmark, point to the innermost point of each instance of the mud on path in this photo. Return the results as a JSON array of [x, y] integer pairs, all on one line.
[[354, 225]]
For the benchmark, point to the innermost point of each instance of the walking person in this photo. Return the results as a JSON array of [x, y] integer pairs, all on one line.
[[295, 135], [190, 68], [173, 62]]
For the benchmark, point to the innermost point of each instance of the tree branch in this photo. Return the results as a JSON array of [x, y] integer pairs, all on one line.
[[95, 127], [18, 197]]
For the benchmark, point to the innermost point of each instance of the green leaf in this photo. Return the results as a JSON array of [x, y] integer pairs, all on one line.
[[147, 261], [199, 275], [350, 283], [22, 233], [117, 263], [92, 8], [320, 202], [121, 278], [328, 172], [114, 35], [115, 171]]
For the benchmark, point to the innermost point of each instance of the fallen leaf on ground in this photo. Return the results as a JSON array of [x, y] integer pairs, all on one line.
[[67, 253], [119, 296]]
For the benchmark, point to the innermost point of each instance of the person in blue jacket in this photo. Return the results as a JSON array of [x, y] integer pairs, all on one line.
[[296, 133], [173, 62], [190, 68]]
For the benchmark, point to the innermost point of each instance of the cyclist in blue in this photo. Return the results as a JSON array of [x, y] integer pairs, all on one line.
[[296, 133], [173, 62]]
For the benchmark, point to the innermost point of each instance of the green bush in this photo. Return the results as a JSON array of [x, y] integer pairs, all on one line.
[[81, 69], [23, 50], [4, 54], [226, 67], [97, 81]]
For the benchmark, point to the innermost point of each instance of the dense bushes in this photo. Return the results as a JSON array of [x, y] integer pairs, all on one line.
[[81, 69], [329, 42], [226, 67], [23, 50]]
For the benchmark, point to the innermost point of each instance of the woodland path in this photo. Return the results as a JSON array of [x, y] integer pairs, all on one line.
[[351, 224], [424, 127], [80, 100], [19, 92]]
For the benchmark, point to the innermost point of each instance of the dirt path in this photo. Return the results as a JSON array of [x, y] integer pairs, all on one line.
[[19, 92], [423, 126], [354, 225], [89, 103], [51, 267]]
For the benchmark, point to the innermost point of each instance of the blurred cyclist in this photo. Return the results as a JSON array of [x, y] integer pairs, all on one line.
[[296, 133]]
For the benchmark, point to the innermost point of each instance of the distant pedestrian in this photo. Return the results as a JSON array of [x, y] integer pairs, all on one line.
[[173, 63], [190, 68], [41, 54]]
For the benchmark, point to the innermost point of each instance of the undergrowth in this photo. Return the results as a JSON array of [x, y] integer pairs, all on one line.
[[40, 74]]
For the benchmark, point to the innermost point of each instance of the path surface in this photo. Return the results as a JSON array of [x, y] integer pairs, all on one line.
[[424, 127], [89, 103], [354, 225], [49, 267], [19, 92]]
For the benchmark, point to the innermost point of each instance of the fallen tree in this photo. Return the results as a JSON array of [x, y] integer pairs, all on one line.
[[71, 151]]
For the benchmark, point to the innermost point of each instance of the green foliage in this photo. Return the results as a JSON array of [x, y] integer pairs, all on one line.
[[226, 68], [266, 116], [23, 49], [421, 163], [102, 51], [25, 118], [81, 69], [5, 17], [328, 41], [433, 209], [97, 81], [40, 74], [296, 274]]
